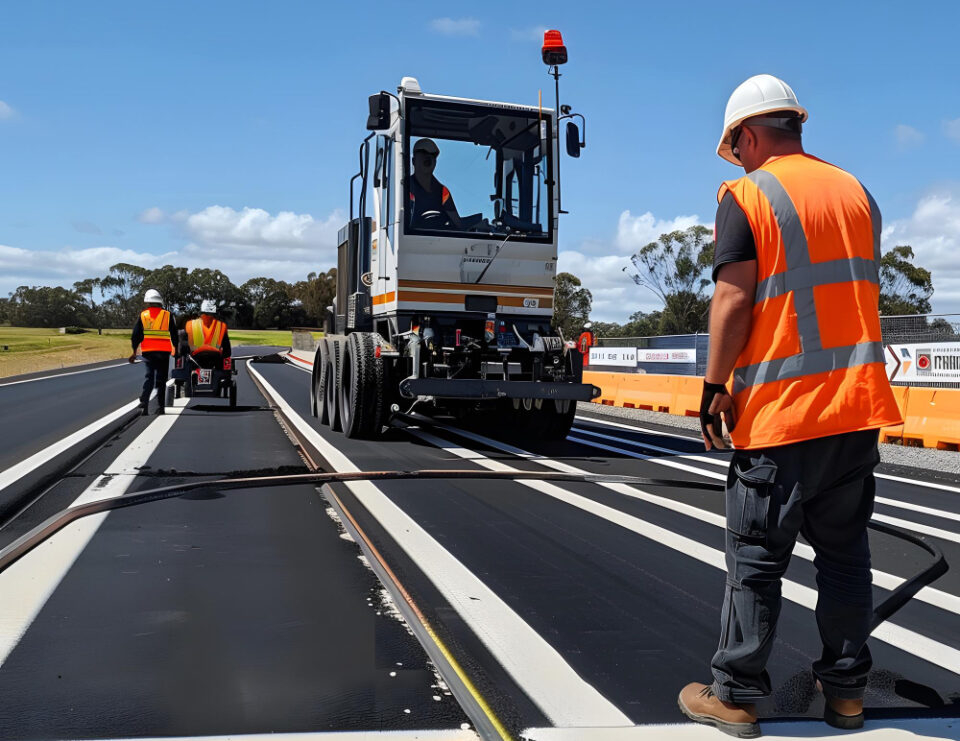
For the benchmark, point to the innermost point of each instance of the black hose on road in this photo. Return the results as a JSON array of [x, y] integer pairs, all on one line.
[[53, 524]]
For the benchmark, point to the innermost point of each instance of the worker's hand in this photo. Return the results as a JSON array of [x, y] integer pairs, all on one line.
[[714, 403], [132, 358]]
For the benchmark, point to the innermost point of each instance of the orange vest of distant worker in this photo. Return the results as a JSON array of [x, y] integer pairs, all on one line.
[[205, 339], [584, 343], [813, 365], [156, 330]]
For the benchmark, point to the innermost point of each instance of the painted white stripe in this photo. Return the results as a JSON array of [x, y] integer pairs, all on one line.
[[906, 524], [909, 506], [907, 640], [61, 375], [444, 735], [899, 729], [28, 465], [28, 583], [889, 477], [550, 682], [884, 580]]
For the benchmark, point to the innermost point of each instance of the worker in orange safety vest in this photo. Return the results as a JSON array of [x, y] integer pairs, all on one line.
[[155, 333], [208, 334], [431, 204], [794, 321], [585, 341]]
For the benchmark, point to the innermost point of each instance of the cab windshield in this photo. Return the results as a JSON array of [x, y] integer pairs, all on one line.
[[477, 170]]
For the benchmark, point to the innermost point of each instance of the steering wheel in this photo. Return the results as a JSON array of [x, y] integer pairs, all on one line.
[[434, 220]]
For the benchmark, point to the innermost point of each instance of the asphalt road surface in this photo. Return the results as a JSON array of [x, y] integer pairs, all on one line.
[[558, 610]]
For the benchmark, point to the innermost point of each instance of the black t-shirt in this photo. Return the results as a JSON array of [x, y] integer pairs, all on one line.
[[735, 241]]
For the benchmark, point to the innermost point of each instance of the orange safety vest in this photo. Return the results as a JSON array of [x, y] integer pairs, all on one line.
[[156, 330], [584, 343], [813, 365], [205, 339]]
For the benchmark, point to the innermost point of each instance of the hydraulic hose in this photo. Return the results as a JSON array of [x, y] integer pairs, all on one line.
[[53, 524]]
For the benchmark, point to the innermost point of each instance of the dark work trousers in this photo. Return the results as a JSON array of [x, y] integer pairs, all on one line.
[[157, 366], [824, 490]]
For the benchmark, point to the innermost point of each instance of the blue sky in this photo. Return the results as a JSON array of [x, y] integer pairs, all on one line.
[[223, 134]]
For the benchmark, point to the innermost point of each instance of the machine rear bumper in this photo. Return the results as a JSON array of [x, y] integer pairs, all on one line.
[[469, 388]]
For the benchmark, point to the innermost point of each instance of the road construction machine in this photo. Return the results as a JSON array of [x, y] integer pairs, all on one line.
[[446, 269]]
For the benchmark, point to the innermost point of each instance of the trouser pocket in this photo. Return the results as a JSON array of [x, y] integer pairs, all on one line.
[[748, 495]]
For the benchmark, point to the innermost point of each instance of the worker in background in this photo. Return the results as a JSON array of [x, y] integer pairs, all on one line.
[[156, 335], [208, 334], [585, 341], [428, 196], [794, 321]]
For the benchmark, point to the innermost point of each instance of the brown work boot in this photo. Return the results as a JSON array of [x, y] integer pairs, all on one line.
[[700, 705], [840, 713]]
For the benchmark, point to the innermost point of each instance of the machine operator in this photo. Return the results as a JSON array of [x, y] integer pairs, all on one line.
[[208, 334], [431, 204]]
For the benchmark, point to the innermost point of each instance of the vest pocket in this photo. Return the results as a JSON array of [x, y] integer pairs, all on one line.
[[748, 496]]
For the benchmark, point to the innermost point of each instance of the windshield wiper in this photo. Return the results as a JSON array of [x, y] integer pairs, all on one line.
[[495, 256]]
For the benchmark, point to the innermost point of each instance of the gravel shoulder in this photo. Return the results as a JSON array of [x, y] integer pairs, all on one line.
[[895, 459]]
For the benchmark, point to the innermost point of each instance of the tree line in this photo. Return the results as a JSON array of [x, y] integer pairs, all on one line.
[[116, 299], [677, 269]]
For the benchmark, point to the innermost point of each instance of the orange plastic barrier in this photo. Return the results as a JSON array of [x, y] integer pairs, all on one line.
[[932, 416]]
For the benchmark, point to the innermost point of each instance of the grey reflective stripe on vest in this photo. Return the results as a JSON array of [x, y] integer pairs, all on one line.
[[796, 252], [806, 364], [800, 278], [819, 274], [876, 221]]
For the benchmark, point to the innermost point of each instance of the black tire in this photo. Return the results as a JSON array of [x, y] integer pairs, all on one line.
[[331, 385], [188, 387], [178, 389], [361, 387], [168, 396], [323, 379], [558, 419], [233, 395], [314, 383]]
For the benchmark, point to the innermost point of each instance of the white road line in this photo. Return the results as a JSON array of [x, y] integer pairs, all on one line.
[[907, 524], [907, 640], [893, 729], [888, 476], [910, 507], [550, 682], [27, 585], [28, 465], [61, 375]]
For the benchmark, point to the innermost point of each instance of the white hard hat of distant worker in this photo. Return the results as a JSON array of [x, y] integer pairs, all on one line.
[[209, 306], [760, 95], [152, 296]]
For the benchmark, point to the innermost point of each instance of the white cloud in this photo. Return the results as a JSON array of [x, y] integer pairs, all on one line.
[[615, 295], [634, 232], [151, 215], [952, 129], [6, 112], [243, 244], [933, 230], [534, 33], [907, 136], [19, 266], [456, 26]]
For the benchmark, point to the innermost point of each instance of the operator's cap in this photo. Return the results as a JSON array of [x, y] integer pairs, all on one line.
[[426, 145]]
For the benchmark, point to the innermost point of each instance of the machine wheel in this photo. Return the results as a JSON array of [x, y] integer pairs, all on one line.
[[361, 386], [188, 387], [558, 418], [314, 382], [168, 395], [320, 364], [177, 389], [331, 385], [233, 395]]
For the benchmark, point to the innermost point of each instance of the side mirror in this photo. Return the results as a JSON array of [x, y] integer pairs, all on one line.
[[573, 139], [379, 117]]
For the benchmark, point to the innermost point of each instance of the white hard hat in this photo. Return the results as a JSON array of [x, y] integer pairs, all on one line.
[[152, 296], [208, 306], [588, 325], [758, 95]]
